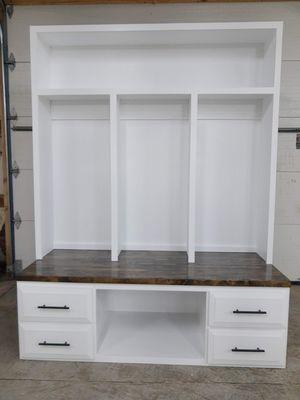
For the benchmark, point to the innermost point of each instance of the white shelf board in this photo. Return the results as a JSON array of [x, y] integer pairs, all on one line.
[[152, 337], [251, 90], [67, 93], [156, 34], [107, 92], [158, 27], [255, 93], [245, 91]]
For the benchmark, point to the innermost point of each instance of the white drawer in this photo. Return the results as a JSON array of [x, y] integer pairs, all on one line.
[[250, 348], [55, 302], [249, 307], [56, 341]]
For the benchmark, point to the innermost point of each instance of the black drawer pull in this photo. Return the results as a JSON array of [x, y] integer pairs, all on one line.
[[257, 350], [249, 312], [44, 343], [44, 307]]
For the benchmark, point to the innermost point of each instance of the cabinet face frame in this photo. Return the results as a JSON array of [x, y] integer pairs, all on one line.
[[40, 67]]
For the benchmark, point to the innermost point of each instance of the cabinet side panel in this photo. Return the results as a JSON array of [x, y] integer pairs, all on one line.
[[42, 150], [274, 145]]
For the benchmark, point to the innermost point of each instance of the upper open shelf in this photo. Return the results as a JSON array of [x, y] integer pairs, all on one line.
[[155, 57]]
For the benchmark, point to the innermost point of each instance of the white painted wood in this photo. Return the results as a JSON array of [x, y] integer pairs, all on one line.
[[222, 47], [20, 91], [162, 72], [77, 298], [151, 324], [149, 288], [119, 287], [273, 145], [151, 200], [159, 338], [222, 341], [224, 215], [272, 301], [114, 178], [43, 178], [154, 178], [211, 33], [81, 184], [18, 35], [156, 327], [153, 97], [288, 198], [144, 300], [218, 130], [78, 180], [228, 107], [192, 176], [79, 337], [287, 250], [156, 107], [42, 152], [264, 197], [140, 127], [80, 109]]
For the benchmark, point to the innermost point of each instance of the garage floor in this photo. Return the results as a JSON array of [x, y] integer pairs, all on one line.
[[32, 380]]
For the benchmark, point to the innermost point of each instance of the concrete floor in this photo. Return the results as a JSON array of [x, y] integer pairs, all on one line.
[[39, 380]]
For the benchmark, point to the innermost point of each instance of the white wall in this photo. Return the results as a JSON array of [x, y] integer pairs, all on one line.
[[287, 231]]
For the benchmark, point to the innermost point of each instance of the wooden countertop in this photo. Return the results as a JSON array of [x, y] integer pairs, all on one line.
[[155, 267]]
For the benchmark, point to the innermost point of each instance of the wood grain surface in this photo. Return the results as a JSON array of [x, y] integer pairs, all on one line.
[[155, 267]]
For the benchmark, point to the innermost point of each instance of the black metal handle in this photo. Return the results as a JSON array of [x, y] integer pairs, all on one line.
[[249, 312], [44, 343], [44, 307], [257, 350], [289, 130], [22, 128]]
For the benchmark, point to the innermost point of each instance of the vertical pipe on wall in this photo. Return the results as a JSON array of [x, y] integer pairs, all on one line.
[[9, 227]]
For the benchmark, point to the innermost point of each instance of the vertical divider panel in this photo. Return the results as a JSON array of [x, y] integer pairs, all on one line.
[[36, 179], [35, 144], [114, 122], [275, 120], [192, 176]]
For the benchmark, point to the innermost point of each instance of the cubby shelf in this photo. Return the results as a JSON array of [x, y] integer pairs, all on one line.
[[164, 327], [133, 337], [251, 91]]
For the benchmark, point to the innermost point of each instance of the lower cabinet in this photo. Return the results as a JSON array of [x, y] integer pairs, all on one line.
[[189, 325]]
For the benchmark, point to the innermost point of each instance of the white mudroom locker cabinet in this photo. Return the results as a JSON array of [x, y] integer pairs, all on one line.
[[154, 179]]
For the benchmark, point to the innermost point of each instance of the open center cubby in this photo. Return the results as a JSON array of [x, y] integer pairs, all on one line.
[[151, 326]]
